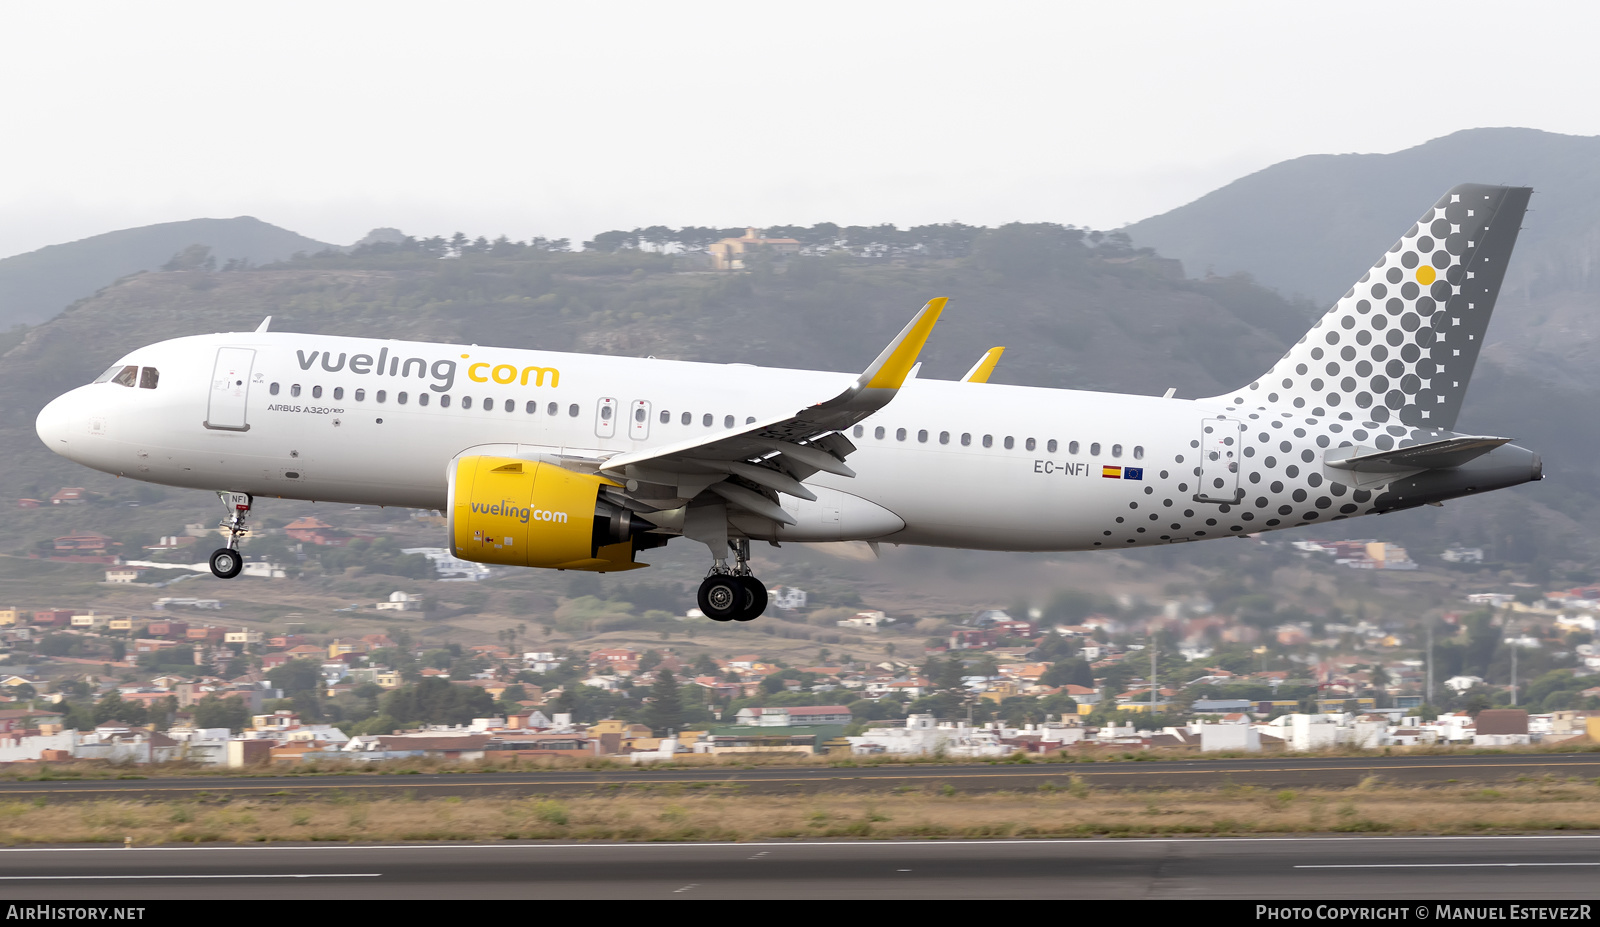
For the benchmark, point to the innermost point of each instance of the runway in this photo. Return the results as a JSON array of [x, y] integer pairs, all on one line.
[[1541, 868], [1266, 772]]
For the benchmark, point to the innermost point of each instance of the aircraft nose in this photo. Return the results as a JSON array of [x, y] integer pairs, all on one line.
[[54, 424]]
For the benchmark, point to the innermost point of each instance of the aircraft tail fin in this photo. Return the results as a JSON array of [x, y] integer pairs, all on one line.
[[1400, 345]]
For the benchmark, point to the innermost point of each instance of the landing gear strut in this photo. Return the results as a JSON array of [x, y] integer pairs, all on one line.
[[227, 562], [731, 593]]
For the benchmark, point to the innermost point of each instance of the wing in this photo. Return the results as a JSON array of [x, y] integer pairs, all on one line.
[[984, 367], [748, 466]]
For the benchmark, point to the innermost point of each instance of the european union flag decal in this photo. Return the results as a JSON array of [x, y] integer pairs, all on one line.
[[1133, 473]]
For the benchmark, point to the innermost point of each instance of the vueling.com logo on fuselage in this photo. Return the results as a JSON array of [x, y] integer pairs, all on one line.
[[443, 372], [512, 510]]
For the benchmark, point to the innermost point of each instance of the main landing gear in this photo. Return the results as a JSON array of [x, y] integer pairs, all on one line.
[[227, 562], [732, 594]]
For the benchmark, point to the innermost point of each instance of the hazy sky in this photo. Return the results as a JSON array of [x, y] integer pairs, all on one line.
[[565, 119]]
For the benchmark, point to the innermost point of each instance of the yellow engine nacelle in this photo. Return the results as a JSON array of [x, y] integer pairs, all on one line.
[[522, 513]]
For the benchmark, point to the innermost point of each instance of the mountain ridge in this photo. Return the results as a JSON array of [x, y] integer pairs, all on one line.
[[37, 285]]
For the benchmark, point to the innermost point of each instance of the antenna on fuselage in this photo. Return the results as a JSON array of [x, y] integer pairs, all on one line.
[[264, 323]]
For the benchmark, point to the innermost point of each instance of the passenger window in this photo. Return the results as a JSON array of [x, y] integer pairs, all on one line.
[[966, 439], [572, 410], [148, 378], [922, 436], [944, 437], [1116, 450], [605, 413], [488, 404], [1138, 452], [666, 417], [705, 420], [878, 432], [444, 401], [466, 402], [1010, 442], [1031, 444], [1094, 449], [422, 399], [638, 414], [382, 395], [1051, 446], [551, 409], [511, 405], [687, 418], [988, 440], [749, 419], [727, 421], [400, 397], [272, 390], [899, 434], [1072, 447], [127, 377], [338, 392], [294, 389], [316, 392], [361, 394], [859, 430], [532, 407]]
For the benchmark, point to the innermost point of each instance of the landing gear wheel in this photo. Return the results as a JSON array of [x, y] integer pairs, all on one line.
[[226, 563], [722, 597], [755, 598]]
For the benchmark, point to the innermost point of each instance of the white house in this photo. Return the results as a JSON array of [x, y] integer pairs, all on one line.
[[787, 597], [870, 620], [401, 602], [1243, 737], [449, 566]]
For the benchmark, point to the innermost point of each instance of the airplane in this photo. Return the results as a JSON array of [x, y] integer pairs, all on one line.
[[580, 462]]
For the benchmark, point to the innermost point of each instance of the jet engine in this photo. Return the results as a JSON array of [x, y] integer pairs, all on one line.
[[524, 513]]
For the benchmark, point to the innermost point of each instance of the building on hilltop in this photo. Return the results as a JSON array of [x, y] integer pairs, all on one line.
[[730, 253]]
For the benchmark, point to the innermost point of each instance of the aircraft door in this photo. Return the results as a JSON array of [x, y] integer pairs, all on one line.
[[1221, 440], [230, 387], [639, 419], [605, 418]]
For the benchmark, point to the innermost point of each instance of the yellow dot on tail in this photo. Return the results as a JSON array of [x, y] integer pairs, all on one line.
[[1425, 275]]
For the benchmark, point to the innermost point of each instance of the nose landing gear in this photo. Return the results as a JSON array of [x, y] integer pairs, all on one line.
[[732, 594], [227, 562]]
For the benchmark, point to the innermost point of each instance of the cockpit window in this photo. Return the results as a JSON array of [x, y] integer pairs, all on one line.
[[126, 377], [111, 371], [149, 377]]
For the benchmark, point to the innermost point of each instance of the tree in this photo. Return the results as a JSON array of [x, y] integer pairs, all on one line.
[[665, 711], [296, 677], [194, 257], [111, 707], [212, 712], [435, 701], [1073, 672]]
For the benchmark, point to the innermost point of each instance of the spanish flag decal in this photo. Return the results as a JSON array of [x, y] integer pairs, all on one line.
[[1111, 473]]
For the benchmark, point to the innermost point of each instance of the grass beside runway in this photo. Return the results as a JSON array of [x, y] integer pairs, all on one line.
[[1068, 807]]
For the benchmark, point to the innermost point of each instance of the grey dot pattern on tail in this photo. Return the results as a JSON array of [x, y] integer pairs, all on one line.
[[1400, 344]]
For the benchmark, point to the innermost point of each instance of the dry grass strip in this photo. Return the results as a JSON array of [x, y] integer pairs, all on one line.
[[1069, 808]]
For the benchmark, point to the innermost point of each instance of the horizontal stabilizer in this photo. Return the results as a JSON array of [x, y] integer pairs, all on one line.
[[1435, 455]]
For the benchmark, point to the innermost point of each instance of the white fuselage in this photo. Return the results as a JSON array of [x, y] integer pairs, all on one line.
[[958, 464]]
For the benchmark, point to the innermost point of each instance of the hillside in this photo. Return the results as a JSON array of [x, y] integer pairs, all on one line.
[[37, 285], [1313, 225]]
